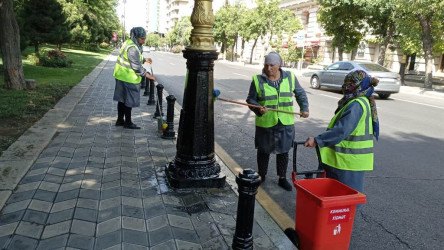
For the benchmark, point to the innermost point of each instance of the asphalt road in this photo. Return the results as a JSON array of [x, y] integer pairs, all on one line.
[[405, 205]]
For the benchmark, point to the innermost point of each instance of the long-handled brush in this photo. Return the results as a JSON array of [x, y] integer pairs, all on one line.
[[216, 94]]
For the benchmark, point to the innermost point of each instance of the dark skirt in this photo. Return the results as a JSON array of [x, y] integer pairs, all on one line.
[[127, 93], [275, 140]]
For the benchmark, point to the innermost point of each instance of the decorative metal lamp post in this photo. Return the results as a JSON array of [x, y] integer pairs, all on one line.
[[195, 164]]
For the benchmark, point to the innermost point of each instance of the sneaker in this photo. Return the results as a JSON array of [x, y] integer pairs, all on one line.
[[119, 123], [283, 183], [131, 126]]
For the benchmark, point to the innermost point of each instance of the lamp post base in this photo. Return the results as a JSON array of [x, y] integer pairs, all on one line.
[[204, 176]]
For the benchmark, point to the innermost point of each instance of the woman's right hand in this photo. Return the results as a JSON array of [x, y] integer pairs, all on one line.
[[150, 77], [263, 110]]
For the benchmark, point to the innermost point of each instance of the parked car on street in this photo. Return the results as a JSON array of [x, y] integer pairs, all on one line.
[[333, 76]]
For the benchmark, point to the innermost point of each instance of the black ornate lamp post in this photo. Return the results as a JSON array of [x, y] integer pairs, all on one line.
[[195, 164]]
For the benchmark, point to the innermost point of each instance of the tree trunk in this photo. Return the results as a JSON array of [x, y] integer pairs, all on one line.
[[427, 44], [412, 62], [340, 53], [353, 54], [387, 40], [10, 47], [252, 50], [242, 50]]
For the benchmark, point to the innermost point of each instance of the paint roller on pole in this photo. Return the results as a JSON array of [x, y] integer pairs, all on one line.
[[216, 94]]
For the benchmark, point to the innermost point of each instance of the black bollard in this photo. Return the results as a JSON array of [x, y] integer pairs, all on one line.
[[146, 92], [248, 181], [143, 83], [169, 133], [151, 100], [159, 111]]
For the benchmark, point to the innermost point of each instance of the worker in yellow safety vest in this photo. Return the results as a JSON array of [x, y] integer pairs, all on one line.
[[275, 131], [346, 147], [128, 73]]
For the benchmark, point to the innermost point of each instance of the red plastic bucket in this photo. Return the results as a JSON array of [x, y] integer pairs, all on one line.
[[325, 211]]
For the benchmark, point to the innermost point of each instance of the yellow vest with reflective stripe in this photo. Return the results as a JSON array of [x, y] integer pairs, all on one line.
[[354, 153], [269, 97], [123, 70]]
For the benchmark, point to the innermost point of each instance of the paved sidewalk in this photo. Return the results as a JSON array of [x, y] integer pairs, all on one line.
[[75, 181]]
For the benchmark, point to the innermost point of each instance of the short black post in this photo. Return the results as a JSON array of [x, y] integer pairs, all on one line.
[[151, 100], [248, 181], [146, 92], [169, 133], [159, 111], [143, 82]]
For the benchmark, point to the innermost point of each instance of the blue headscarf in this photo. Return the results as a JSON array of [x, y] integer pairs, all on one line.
[[137, 32]]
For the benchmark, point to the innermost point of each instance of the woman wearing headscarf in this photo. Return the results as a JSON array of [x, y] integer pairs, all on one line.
[[275, 133], [346, 147], [128, 73]]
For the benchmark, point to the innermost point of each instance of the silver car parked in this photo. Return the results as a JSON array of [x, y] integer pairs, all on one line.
[[333, 76]]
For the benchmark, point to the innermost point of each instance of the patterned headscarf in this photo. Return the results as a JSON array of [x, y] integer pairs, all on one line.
[[137, 32], [357, 84]]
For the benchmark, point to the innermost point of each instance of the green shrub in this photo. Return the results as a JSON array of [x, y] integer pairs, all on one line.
[[91, 47], [104, 45], [55, 59]]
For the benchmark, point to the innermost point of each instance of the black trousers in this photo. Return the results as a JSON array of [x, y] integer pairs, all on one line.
[[124, 111], [281, 163]]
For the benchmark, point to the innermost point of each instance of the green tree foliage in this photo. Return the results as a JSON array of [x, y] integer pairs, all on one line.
[[44, 21], [153, 40], [182, 29], [342, 20], [226, 25]]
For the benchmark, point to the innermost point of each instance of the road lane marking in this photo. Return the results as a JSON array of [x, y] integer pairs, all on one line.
[[424, 104], [283, 220], [334, 97], [241, 75]]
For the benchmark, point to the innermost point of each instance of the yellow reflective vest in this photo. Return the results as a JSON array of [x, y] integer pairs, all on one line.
[[269, 97], [354, 153], [123, 70]]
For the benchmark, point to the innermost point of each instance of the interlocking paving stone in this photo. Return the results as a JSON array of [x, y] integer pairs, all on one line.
[[20, 196], [44, 195], [89, 194], [109, 240], [110, 193], [135, 237], [56, 171], [109, 213], [160, 235], [39, 205], [28, 229], [27, 187], [109, 226], [133, 223], [56, 229], [262, 243], [60, 216], [86, 214], [14, 207], [34, 178], [11, 217], [22, 243], [63, 205], [185, 245], [83, 227], [154, 210], [8, 229], [185, 235], [179, 221], [131, 211], [53, 243], [131, 192], [53, 178], [216, 243], [72, 178], [67, 195], [3, 241], [87, 203], [35, 216], [167, 245], [80, 241], [130, 201], [112, 202]]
